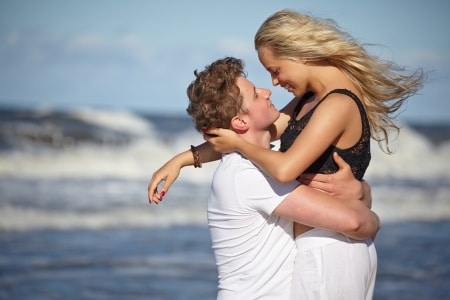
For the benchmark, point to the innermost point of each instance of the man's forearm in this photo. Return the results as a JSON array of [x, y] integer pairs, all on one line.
[[317, 209], [367, 223], [367, 194]]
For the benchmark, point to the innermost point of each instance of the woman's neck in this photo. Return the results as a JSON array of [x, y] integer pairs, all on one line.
[[327, 78]]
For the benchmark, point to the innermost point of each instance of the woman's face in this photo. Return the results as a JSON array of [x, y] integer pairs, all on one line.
[[289, 74]]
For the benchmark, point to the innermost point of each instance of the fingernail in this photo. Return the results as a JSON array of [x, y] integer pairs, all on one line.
[[162, 194]]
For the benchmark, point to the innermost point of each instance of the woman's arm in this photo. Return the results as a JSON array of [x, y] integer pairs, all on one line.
[[170, 170], [326, 126]]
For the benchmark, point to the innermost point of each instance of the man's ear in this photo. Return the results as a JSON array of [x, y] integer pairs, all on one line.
[[239, 124]]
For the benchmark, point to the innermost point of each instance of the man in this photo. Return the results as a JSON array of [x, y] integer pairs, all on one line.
[[250, 215]]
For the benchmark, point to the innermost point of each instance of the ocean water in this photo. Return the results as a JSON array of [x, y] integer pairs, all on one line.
[[75, 222]]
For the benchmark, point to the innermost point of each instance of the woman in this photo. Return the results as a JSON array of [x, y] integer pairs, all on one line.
[[344, 96]]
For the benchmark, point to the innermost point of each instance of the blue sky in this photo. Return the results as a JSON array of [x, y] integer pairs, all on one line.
[[141, 55]]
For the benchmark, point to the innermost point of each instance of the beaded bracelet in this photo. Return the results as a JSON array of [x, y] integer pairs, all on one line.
[[196, 155]]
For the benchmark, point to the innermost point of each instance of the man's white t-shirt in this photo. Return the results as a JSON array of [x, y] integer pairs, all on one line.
[[254, 249]]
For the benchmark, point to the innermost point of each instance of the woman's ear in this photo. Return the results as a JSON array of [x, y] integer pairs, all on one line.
[[239, 124]]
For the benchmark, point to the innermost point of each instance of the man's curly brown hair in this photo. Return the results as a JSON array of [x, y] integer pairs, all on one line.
[[214, 97]]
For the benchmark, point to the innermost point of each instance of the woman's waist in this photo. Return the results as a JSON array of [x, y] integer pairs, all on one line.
[[318, 237]]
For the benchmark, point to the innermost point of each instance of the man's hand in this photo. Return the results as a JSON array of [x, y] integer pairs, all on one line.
[[341, 184]]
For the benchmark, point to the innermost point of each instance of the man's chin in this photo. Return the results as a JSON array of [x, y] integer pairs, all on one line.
[[277, 116]]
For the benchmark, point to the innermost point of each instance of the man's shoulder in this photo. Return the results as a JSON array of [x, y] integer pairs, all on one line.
[[237, 160], [237, 164], [237, 170]]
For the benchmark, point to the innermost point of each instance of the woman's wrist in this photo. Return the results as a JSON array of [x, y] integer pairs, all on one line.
[[244, 147], [196, 157]]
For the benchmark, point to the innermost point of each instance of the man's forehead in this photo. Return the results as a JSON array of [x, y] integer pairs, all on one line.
[[244, 85]]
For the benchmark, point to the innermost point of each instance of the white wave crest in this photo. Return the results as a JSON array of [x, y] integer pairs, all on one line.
[[123, 121]]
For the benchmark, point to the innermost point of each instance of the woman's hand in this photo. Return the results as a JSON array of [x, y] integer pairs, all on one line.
[[170, 170], [168, 173], [222, 140]]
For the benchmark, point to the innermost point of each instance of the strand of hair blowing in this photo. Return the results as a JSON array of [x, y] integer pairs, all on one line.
[[384, 85]]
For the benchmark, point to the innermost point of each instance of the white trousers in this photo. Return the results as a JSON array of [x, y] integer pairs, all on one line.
[[331, 266]]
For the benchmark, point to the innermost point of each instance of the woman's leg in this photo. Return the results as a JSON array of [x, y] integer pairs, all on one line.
[[331, 266]]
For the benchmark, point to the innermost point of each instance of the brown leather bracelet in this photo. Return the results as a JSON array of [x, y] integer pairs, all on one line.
[[196, 155]]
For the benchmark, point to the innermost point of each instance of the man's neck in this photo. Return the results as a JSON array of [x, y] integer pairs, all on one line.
[[259, 138]]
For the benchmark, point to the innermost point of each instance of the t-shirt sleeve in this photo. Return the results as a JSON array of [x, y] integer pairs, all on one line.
[[258, 191]]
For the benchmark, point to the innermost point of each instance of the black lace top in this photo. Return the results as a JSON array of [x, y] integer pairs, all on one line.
[[357, 156]]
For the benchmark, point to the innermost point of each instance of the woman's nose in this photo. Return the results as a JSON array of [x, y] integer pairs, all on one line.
[[275, 81]]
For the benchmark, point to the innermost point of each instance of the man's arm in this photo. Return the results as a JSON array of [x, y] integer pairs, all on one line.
[[333, 202], [341, 184], [317, 209]]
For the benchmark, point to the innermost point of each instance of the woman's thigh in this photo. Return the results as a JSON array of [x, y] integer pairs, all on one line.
[[343, 269]]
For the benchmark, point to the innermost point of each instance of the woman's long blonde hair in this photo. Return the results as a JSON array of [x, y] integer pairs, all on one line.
[[384, 86]]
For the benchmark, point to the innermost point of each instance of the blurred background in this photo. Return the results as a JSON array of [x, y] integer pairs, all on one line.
[[92, 102], [141, 55]]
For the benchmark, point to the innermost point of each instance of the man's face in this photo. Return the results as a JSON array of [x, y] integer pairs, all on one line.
[[258, 107]]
